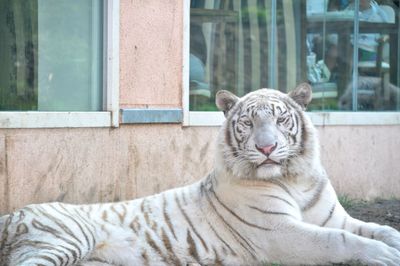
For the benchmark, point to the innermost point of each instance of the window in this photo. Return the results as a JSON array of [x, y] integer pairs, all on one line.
[[246, 45], [53, 61]]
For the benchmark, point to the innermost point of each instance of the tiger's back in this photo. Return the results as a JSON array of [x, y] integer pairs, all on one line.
[[145, 231]]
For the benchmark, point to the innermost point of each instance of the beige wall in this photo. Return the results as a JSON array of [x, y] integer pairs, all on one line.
[[151, 53], [91, 164]]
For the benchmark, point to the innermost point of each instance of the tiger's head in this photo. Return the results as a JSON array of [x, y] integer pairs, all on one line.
[[266, 133]]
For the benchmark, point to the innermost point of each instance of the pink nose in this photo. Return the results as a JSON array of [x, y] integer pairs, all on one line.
[[267, 150]]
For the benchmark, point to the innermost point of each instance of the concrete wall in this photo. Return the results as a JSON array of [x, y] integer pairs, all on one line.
[[151, 34], [92, 165], [87, 165]]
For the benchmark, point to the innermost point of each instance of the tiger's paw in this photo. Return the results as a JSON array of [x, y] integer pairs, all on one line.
[[389, 236], [378, 253]]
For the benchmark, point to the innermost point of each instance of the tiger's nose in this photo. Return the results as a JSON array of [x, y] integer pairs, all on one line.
[[267, 150]]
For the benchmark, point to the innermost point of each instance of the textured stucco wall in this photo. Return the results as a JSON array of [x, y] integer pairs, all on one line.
[[92, 165], [151, 34], [362, 161]]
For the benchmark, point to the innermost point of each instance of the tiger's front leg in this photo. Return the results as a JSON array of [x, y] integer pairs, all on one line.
[[328, 212], [302, 243], [384, 233]]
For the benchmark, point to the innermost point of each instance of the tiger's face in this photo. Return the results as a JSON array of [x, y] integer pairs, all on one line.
[[263, 130]]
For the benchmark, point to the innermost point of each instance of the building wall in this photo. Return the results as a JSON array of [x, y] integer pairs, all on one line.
[[151, 34], [87, 165], [100, 165]]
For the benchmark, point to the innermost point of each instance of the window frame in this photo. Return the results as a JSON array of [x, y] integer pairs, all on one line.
[[320, 118], [107, 118]]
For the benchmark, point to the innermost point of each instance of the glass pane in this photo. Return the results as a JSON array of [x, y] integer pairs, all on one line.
[[377, 63], [51, 55], [228, 49], [18, 55], [329, 53], [236, 45]]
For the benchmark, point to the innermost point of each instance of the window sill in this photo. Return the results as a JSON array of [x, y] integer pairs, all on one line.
[[54, 119], [318, 118]]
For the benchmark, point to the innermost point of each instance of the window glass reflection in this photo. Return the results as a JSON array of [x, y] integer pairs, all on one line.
[[347, 50]]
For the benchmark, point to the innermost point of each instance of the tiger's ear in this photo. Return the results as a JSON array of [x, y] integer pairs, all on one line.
[[225, 100], [302, 94]]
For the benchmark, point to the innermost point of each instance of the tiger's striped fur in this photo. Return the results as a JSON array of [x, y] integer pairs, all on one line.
[[267, 200]]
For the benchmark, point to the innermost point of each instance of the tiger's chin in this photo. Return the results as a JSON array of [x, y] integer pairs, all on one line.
[[268, 171]]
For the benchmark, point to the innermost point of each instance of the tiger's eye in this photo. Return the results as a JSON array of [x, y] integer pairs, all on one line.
[[280, 120], [248, 123]]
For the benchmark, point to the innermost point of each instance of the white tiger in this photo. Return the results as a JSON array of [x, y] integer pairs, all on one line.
[[268, 200]]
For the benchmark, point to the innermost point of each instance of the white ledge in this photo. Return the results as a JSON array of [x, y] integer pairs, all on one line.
[[54, 119]]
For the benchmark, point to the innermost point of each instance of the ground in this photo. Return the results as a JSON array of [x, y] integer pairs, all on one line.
[[385, 212]]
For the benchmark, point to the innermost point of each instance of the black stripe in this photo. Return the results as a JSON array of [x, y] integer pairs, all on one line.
[[167, 218], [99, 260], [316, 196], [221, 239], [42, 245], [237, 131], [228, 137], [344, 223], [270, 212], [190, 222], [234, 233], [22, 228], [20, 217], [154, 246], [60, 224], [343, 237], [278, 183], [173, 259], [192, 247], [120, 216], [39, 226], [86, 224], [45, 257], [217, 260], [42, 257], [279, 198], [145, 258], [304, 134], [237, 216], [329, 216], [183, 196], [73, 219], [360, 231], [135, 224], [296, 118], [4, 233], [65, 229], [36, 224]]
